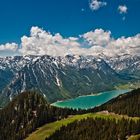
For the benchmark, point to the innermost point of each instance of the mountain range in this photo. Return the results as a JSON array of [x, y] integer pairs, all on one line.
[[66, 77]]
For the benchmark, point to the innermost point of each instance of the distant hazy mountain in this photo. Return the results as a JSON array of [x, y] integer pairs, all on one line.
[[64, 77], [126, 64]]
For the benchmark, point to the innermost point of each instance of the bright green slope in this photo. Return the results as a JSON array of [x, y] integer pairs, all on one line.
[[50, 128], [134, 137]]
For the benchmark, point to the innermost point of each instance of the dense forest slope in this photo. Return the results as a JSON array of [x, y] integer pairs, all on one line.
[[29, 111], [128, 104], [97, 129], [25, 113], [105, 126], [106, 129], [48, 129]]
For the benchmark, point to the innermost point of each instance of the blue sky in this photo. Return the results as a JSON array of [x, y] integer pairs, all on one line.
[[68, 17]]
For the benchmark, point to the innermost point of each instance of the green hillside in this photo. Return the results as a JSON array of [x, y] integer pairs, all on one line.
[[134, 137], [48, 129], [30, 111], [127, 104]]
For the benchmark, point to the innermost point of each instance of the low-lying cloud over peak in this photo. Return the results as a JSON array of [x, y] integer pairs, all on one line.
[[41, 42], [9, 47]]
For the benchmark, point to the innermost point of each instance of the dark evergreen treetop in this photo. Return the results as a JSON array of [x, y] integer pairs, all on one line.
[[127, 104], [25, 113], [97, 129]]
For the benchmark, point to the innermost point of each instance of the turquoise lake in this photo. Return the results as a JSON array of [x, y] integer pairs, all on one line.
[[89, 101]]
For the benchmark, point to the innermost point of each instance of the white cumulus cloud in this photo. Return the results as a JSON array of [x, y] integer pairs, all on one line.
[[122, 9], [42, 42], [96, 4], [99, 41], [8, 49], [9, 46], [97, 37]]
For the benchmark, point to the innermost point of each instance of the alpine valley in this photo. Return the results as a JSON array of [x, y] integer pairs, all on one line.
[[69, 69], [59, 78]]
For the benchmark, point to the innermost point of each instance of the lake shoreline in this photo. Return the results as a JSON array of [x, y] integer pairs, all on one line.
[[89, 101]]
